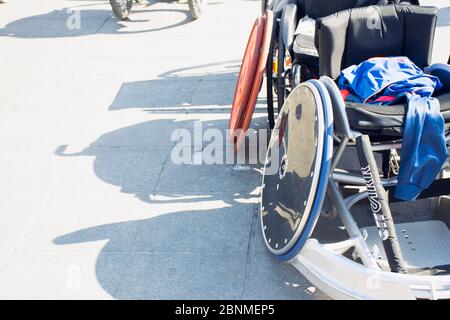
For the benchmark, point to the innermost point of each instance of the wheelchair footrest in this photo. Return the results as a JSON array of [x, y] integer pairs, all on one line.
[[425, 244]]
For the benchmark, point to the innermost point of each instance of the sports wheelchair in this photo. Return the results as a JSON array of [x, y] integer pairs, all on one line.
[[306, 185], [293, 56]]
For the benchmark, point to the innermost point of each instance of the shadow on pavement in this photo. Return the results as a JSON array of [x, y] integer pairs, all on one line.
[[193, 87], [200, 237], [201, 242], [443, 17], [78, 21]]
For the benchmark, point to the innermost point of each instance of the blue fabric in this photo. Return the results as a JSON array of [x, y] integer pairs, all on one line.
[[423, 147]]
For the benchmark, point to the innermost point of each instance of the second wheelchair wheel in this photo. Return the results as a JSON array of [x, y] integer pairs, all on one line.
[[196, 7], [246, 77], [121, 8], [296, 170], [258, 79]]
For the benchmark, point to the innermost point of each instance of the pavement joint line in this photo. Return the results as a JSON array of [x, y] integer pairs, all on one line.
[[248, 253], [103, 24], [155, 187], [129, 256], [197, 85], [30, 224]]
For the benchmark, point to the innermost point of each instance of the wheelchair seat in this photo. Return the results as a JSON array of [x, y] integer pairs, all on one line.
[[350, 37], [387, 120]]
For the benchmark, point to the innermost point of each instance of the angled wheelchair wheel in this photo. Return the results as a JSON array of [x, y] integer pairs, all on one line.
[[246, 76], [249, 85], [296, 169], [258, 79]]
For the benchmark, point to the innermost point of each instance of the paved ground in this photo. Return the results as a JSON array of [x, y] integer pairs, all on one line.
[[91, 203]]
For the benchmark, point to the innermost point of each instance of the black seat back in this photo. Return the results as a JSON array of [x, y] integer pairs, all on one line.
[[352, 36], [321, 8]]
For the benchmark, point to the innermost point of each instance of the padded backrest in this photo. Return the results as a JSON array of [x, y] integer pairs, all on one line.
[[321, 8], [352, 36]]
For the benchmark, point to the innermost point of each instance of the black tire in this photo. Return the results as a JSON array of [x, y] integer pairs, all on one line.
[[121, 8], [296, 75], [269, 76], [196, 8], [281, 81]]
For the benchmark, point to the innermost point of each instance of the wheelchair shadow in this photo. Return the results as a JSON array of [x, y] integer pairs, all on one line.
[[78, 21], [199, 237], [205, 86]]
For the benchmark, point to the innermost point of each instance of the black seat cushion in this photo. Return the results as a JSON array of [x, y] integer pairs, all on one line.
[[387, 120]]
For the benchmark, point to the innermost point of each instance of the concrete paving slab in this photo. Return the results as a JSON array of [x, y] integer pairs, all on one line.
[[182, 275], [272, 279], [19, 209], [128, 170], [199, 228], [62, 276], [50, 130], [3, 259], [25, 171], [85, 222], [441, 51], [212, 178]]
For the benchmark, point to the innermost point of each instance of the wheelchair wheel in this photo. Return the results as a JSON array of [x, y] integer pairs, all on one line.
[[257, 82], [246, 76], [121, 8], [296, 169]]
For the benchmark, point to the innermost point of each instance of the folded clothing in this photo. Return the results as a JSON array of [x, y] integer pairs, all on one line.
[[384, 80]]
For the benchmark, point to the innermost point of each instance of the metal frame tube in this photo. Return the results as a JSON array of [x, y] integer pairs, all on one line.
[[379, 204]]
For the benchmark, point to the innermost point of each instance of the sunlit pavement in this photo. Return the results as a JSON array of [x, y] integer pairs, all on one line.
[[92, 204]]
